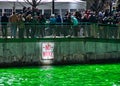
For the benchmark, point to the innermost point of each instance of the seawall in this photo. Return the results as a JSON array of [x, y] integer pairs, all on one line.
[[32, 52]]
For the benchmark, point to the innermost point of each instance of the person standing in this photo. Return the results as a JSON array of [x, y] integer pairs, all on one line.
[[59, 25], [52, 20], [21, 26], [13, 21], [28, 25], [4, 22], [42, 21], [75, 27]]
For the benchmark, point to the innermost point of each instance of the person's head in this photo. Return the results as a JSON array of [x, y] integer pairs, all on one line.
[[13, 13], [24, 8], [58, 16]]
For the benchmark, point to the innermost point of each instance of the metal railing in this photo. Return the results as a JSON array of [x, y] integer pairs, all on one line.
[[36, 30]]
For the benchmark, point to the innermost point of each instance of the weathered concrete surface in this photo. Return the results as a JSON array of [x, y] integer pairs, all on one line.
[[20, 53], [65, 52], [87, 52]]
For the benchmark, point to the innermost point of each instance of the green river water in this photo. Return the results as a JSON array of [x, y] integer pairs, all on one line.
[[70, 75]]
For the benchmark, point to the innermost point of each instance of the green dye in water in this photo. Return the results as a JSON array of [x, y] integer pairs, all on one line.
[[70, 75]]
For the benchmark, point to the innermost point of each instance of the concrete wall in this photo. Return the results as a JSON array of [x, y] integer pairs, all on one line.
[[87, 52], [19, 53], [66, 51]]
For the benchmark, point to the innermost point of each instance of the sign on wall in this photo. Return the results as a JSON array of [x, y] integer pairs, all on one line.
[[47, 50]]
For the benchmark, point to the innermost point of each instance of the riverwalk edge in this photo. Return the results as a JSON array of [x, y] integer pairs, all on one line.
[[28, 52]]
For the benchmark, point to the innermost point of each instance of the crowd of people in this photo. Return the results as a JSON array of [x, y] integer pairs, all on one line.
[[31, 24]]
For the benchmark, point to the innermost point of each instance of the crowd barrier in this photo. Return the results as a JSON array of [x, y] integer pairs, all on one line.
[[36, 30]]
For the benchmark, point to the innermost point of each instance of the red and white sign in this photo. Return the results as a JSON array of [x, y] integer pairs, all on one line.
[[47, 50]]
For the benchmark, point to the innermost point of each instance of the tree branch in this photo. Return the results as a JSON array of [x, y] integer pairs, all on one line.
[[38, 2], [28, 2]]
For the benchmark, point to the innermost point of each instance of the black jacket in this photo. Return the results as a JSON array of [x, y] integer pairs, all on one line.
[[4, 20]]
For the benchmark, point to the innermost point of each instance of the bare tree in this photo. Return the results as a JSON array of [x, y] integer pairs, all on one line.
[[33, 3], [98, 5], [118, 5], [95, 5]]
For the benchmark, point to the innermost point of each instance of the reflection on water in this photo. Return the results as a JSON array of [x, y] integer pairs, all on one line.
[[75, 75], [46, 67]]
